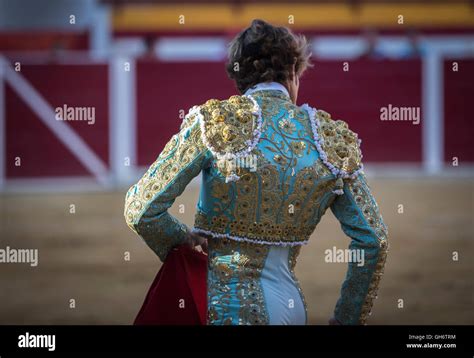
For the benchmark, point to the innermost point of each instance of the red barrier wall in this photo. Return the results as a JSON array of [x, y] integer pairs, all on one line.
[[41, 40], [458, 121], [41, 153], [357, 95], [163, 89]]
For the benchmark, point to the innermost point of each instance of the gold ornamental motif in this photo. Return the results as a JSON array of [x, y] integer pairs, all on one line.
[[340, 144], [370, 210], [177, 155], [280, 202], [228, 124], [235, 269], [228, 129], [264, 231]]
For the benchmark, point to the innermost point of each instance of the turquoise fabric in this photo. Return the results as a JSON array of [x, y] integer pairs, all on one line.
[[252, 283], [284, 303]]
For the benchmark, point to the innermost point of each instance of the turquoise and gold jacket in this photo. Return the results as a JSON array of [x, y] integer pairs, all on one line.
[[270, 170]]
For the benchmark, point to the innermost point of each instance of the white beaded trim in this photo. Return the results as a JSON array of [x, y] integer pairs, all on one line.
[[319, 141], [338, 191], [250, 143], [246, 239], [231, 177]]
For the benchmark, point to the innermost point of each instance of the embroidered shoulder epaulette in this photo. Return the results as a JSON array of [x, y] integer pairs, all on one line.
[[339, 147], [230, 129]]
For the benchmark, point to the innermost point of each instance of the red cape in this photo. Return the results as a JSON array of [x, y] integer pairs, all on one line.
[[178, 295]]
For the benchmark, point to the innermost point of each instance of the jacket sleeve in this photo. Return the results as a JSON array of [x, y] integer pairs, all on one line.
[[358, 213], [147, 202]]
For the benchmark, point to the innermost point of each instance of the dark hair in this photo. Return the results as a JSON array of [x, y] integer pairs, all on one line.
[[264, 52]]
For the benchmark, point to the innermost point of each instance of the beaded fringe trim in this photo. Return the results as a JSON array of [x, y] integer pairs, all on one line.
[[319, 141], [246, 239], [251, 144]]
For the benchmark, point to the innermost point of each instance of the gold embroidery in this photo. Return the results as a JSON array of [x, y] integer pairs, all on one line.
[[287, 126], [308, 193], [177, 154], [371, 213], [158, 237], [229, 130], [340, 144], [374, 283], [235, 295], [188, 120], [279, 159], [246, 203], [260, 232], [296, 223], [266, 206], [275, 203], [228, 124], [298, 147]]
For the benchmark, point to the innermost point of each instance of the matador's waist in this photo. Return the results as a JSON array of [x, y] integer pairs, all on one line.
[[267, 233]]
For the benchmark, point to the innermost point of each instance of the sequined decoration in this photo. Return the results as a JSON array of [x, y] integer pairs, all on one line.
[[181, 160], [302, 166], [235, 295], [363, 197], [230, 129]]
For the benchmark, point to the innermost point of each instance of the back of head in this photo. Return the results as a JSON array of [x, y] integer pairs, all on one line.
[[264, 53]]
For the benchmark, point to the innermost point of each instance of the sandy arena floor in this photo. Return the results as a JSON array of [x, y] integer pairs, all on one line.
[[81, 257]]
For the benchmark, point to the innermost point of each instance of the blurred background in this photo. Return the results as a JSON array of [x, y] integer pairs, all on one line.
[[138, 66]]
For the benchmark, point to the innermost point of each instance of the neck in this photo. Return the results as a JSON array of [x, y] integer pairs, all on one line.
[[265, 86]]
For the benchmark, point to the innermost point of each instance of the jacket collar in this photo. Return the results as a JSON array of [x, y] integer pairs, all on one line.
[[271, 87]]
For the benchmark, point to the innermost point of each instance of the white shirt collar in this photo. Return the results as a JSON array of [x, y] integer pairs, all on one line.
[[267, 86]]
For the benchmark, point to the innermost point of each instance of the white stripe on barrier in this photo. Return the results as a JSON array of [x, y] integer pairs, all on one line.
[[432, 110], [61, 130], [122, 130]]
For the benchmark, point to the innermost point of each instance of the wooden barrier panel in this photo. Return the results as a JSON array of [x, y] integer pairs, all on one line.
[[32, 145], [356, 95], [458, 121]]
